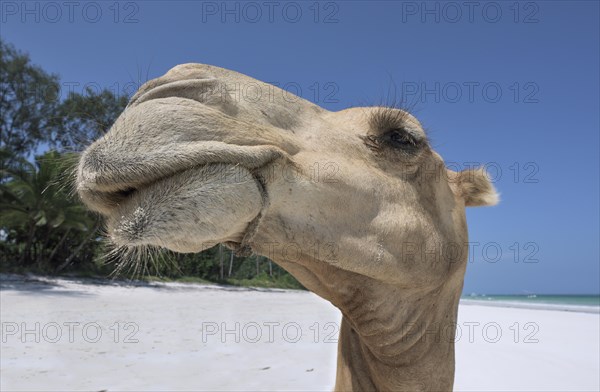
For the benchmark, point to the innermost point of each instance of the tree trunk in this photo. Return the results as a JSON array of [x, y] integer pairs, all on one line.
[[230, 263], [40, 256], [221, 260], [78, 249], [62, 240], [27, 250]]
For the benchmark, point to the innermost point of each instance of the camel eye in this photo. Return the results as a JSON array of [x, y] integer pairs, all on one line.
[[401, 138]]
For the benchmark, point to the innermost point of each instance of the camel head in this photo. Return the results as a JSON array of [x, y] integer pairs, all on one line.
[[350, 202]]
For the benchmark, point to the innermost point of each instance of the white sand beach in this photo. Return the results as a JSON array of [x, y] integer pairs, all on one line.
[[60, 334]]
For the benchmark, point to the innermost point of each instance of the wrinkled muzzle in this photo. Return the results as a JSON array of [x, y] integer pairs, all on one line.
[[175, 173], [180, 166]]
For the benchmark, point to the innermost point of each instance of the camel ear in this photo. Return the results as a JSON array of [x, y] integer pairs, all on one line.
[[474, 186]]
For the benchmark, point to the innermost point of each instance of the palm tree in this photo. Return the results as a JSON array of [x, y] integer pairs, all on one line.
[[35, 201]]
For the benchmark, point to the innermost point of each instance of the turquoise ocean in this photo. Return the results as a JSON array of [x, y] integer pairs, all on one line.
[[583, 303]]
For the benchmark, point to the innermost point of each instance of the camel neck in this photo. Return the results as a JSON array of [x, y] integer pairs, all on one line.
[[406, 345]]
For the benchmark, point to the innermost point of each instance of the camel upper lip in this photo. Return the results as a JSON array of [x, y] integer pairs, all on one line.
[[104, 171], [103, 187]]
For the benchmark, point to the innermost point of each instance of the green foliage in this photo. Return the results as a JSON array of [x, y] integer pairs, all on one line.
[[219, 265], [37, 211], [28, 101], [285, 281], [82, 119]]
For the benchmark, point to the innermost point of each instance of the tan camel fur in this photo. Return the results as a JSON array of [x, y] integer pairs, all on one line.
[[355, 204]]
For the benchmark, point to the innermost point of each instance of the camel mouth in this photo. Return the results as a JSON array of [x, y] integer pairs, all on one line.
[[158, 162], [189, 211]]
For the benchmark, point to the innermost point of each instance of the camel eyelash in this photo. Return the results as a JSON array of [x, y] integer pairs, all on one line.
[[383, 119], [389, 127]]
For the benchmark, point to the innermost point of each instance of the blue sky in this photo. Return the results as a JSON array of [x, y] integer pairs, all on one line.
[[511, 87]]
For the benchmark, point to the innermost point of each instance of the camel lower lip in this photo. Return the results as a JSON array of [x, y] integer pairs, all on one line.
[[190, 210]]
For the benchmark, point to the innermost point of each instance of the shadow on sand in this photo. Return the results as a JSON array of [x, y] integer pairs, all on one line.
[[44, 285]]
